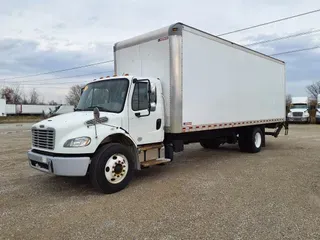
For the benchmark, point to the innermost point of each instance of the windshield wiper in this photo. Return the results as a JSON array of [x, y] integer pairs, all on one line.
[[100, 108]]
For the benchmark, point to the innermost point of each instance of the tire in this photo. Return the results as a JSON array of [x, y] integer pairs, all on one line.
[[251, 140], [111, 168], [210, 144]]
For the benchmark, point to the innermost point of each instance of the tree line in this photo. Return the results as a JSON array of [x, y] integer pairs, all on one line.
[[15, 95]]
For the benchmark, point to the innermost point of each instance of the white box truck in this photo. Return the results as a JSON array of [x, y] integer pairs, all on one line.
[[299, 110], [3, 107], [318, 110], [11, 109], [58, 110], [26, 109], [183, 86]]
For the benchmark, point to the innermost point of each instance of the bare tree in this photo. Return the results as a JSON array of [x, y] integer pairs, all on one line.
[[12, 95], [52, 102], [314, 89], [24, 99], [74, 94], [34, 97], [288, 102]]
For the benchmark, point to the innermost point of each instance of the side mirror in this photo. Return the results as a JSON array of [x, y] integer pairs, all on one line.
[[153, 106], [153, 93], [96, 114], [153, 98]]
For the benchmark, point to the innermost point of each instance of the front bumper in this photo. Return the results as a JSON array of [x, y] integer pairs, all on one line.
[[61, 166], [298, 119]]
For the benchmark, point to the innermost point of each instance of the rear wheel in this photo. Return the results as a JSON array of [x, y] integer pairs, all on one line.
[[250, 140], [111, 168], [210, 143]]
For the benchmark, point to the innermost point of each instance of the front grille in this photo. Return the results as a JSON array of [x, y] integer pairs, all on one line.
[[43, 138], [297, 114]]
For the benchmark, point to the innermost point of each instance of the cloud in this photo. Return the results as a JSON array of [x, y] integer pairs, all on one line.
[[27, 57]]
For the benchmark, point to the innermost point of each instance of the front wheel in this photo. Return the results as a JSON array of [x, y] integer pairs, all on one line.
[[111, 168]]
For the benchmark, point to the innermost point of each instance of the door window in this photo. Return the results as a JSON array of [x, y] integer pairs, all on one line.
[[140, 96]]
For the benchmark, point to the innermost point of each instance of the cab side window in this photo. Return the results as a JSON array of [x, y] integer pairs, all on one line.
[[140, 98]]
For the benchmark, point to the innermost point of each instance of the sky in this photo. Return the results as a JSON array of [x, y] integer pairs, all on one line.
[[42, 36]]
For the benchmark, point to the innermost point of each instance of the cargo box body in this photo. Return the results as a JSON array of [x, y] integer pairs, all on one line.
[[208, 82]]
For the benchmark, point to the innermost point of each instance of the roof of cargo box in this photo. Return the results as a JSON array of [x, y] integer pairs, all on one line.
[[176, 29]]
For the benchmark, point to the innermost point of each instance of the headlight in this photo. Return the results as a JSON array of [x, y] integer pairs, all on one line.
[[318, 113], [77, 142], [290, 114], [306, 113]]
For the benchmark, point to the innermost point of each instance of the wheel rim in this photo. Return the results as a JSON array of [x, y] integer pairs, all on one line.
[[257, 139], [116, 168]]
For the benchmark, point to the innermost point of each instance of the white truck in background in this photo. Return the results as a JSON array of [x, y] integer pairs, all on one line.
[[11, 109], [3, 108], [183, 86], [318, 110], [299, 110], [57, 110]]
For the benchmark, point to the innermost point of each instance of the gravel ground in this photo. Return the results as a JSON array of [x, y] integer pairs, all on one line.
[[203, 194]]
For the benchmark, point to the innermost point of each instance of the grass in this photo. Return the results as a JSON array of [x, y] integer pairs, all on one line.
[[20, 119]]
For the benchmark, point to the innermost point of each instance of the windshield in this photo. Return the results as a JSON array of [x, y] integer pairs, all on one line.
[[108, 95], [300, 105]]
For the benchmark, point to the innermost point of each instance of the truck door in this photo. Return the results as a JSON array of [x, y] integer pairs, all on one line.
[[146, 116]]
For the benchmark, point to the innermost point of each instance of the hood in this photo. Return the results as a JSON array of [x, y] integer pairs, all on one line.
[[298, 109], [74, 120]]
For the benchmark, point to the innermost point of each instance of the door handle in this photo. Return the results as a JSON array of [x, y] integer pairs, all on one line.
[[158, 123]]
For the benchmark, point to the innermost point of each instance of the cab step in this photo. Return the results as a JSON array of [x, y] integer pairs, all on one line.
[[149, 147], [155, 162]]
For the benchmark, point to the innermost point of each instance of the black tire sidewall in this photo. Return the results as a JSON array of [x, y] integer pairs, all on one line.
[[168, 151], [97, 171]]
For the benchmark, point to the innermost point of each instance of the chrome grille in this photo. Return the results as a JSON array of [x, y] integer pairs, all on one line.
[[43, 138], [297, 114]]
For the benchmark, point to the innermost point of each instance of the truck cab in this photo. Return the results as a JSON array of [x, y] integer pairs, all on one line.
[[299, 110], [118, 126], [318, 110]]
